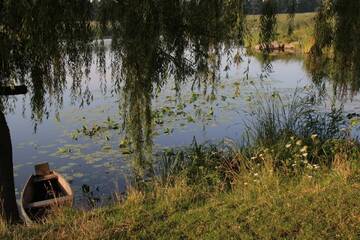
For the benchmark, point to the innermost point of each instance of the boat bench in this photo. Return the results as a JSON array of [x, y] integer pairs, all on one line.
[[45, 178], [49, 202]]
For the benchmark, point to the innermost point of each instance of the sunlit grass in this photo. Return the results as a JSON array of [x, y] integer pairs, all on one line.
[[261, 203]]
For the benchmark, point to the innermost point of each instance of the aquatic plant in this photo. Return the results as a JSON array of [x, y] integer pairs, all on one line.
[[274, 117]]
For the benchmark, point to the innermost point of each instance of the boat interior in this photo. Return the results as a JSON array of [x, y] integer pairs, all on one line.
[[42, 193]]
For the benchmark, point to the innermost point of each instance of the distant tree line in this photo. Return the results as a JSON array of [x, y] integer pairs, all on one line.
[[283, 6]]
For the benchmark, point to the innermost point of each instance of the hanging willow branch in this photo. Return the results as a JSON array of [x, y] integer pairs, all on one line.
[[291, 11], [268, 24]]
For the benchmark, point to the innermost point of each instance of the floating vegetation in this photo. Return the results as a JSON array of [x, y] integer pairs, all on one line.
[[62, 150], [354, 122], [95, 129], [168, 130], [194, 97], [124, 143], [106, 148]]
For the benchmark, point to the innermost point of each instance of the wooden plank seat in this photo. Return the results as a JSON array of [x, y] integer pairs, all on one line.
[[49, 202], [43, 191], [45, 178]]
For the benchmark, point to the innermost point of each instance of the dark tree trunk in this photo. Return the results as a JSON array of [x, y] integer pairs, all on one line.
[[8, 205]]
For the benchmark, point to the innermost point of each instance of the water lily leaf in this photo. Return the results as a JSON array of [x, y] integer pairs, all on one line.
[[63, 150], [355, 122], [123, 143], [159, 121], [106, 148], [211, 112], [181, 106], [168, 130], [194, 97], [126, 151], [190, 119]]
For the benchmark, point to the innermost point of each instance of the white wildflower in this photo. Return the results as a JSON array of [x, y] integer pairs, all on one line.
[[314, 136], [304, 149]]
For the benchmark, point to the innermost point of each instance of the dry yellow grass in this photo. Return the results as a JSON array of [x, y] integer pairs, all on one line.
[[261, 205]]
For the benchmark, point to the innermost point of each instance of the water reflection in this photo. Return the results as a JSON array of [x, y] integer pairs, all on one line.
[[154, 41], [336, 54]]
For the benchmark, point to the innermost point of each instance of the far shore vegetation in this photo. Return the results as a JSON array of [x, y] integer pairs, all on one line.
[[301, 37]]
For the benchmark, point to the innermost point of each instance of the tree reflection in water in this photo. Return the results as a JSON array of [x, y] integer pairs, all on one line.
[[335, 55]]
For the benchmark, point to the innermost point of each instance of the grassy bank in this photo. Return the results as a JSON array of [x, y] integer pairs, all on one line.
[[302, 36], [239, 200]]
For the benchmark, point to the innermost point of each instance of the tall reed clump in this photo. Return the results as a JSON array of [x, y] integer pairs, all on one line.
[[302, 113], [295, 135], [294, 128]]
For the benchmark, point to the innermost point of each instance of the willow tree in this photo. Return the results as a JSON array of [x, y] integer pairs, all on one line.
[[336, 52], [157, 40], [39, 39]]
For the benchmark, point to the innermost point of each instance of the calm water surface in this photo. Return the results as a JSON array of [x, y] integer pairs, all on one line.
[[102, 161]]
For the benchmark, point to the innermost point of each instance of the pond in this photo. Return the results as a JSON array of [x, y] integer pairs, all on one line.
[[88, 143], [114, 84]]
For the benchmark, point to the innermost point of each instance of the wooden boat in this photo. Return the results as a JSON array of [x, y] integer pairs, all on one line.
[[42, 192]]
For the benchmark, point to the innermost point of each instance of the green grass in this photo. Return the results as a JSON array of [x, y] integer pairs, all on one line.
[[303, 30], [224, 192], [261, 203]]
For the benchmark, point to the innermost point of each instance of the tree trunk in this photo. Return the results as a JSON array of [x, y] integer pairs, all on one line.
[[8, 205], [15, 90]]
